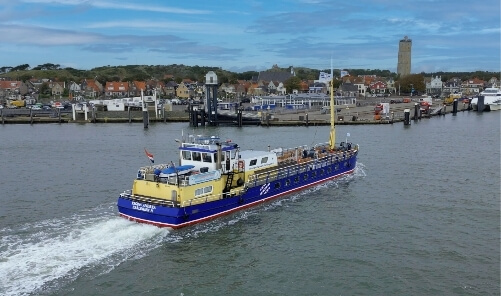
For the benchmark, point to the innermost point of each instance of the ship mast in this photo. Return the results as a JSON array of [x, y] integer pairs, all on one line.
[[332, 138]]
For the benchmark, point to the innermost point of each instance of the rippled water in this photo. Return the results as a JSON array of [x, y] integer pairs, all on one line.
[[420, 216]]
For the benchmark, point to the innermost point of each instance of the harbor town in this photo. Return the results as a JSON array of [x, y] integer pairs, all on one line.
[[273, 97]]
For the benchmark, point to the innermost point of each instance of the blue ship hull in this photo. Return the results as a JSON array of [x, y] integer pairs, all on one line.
[[288, 181]]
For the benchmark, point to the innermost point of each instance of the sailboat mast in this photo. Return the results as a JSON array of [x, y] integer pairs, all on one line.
[[332, 138]]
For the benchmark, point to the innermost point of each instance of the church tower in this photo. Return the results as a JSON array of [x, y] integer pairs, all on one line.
[[404, 57]]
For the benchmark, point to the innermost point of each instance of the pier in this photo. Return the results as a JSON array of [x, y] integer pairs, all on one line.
[[345, 115]]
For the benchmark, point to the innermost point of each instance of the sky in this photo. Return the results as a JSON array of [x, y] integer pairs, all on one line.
[[252, 35]]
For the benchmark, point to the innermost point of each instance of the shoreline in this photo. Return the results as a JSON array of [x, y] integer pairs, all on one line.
[[347, 115]]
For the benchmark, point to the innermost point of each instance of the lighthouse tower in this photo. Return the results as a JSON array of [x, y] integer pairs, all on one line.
[[404, 57], [211, 97]]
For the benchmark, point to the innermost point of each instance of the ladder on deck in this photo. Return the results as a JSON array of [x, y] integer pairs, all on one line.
[[229, 181]]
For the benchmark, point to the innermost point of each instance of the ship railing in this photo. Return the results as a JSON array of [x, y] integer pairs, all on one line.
[[212, 197], [127, 194], [301, 167], [290, 155]]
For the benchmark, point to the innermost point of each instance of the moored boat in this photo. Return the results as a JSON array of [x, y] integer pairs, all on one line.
[[214, 178], [492, 100]]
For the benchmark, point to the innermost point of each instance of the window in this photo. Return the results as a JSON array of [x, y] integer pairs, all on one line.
[[203, 190], [253, 162], [206, 157], [287, 182], [277, 185], [305, 176], [197, 156], [186, 155], [264, 160]]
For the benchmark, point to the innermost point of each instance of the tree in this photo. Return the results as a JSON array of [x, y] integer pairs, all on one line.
[[44, 89], [410, 82], [292, 83], [22, 67]]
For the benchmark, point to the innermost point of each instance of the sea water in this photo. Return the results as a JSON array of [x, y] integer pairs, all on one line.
[[420, 215]]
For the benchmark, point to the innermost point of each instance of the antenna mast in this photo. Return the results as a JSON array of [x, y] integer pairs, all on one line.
[[332, 138]]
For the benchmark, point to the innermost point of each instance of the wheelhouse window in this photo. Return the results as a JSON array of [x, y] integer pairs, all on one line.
[[186, 155], [264, 160], [253, 162], [197, 156], [206, 157]]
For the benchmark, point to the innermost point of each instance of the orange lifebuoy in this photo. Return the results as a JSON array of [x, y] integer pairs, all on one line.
[[241, 164]]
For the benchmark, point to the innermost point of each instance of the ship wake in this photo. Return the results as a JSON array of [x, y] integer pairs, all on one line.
[[42, 256]]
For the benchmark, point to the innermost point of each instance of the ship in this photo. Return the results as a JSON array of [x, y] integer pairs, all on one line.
[[215, 177]]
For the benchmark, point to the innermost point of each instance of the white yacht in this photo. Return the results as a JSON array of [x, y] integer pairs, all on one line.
[[492, 99]]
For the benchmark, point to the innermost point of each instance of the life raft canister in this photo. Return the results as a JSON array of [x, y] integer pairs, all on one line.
[[241, 164]]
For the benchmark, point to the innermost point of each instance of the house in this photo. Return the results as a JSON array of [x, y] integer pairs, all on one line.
[[452, 86], [13, 87], [91, 88], [359, 82], [241, 89], [136, 87], [272, 87], [378, 88], [117, 89], [74, 89], [183, 91], [493, 82], [170, 89], [281, 90], [434, 86], [57, 89], [155, 86], [275, 74], [472, 86], [227, 88], [256, 89], [347, 90], [318, 88]]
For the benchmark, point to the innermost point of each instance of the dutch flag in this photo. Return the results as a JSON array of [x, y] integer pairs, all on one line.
[[150, 156]]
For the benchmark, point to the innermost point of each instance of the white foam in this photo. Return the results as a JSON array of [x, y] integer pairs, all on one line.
[[28, 263]]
